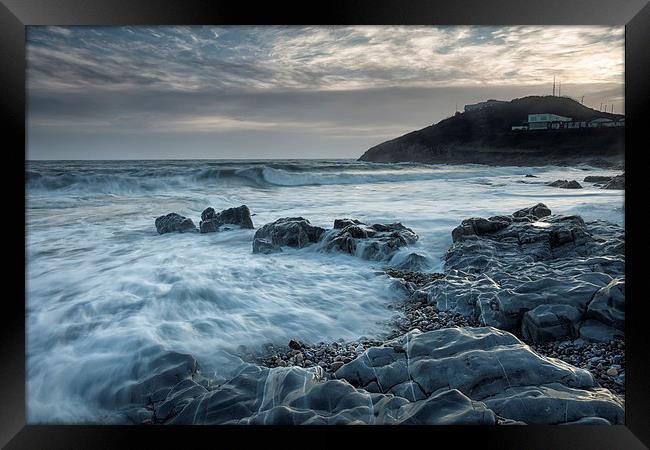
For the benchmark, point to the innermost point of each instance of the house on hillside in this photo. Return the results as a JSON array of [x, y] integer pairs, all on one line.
[[547, 121]]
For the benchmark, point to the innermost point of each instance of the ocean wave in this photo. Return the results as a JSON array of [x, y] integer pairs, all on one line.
[[133, 178]]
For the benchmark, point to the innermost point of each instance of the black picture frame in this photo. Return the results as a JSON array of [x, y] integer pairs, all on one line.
[[16, 14]]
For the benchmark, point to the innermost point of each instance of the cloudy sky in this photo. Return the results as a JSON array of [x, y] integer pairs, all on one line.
[[290, 92]]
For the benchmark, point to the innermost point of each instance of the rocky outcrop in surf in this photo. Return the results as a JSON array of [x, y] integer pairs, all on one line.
[[617, 182], [173, 222], [377, 242], [533, 275], [212, 221], [607, 182], [295, 232], [461, 355], [565, 184]]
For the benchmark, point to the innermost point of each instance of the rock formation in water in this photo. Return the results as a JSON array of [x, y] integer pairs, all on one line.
[[212, 221], [535, 275], [377, 242], [295, 232], [565, 184], [617, 182], [541, 276], [174, 222]]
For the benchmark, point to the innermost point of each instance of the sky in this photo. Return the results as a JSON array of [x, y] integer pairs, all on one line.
[[141, 92]]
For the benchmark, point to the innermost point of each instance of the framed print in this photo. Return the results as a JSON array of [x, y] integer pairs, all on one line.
[[276, 223]]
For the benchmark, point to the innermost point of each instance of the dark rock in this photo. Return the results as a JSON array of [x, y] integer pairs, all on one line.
[[294, 345], [497, 277], [174, 222], [289, 231], [608, 304], [564, 184], [595, 331], [618, 182], [597, 179], [550, 323], [556, 404], [484, 364], [212, 221], [265, 246], [479, 226], [155, 376], [528, 175], [378, 242], [538, 211], [413, 262], [293, 396], [339, 224]]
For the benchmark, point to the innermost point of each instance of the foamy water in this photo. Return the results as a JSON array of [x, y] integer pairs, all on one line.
[[104, 288]]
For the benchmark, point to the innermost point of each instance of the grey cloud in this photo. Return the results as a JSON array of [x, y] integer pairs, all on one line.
[[222, 88]]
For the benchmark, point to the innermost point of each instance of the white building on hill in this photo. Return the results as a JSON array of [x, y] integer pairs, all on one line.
[[545, 121]]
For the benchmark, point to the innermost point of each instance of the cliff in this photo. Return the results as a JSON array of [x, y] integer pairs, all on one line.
[[485, 137]]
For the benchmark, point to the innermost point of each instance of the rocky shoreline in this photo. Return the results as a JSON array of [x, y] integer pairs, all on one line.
[[605, 360], [525, 326]]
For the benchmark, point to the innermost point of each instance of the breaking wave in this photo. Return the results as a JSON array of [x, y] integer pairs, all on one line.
[[126, 177]]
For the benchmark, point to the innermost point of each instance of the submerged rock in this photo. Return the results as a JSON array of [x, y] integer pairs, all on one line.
[[174, 222], [378, 242], [564, 184], [212, 221], [295, 232]]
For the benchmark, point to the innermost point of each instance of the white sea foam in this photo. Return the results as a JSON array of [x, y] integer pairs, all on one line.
[[103, 288]]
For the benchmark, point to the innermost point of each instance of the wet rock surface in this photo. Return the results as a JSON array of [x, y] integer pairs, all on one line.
[[378, 242], [497, 275], [487, 365], [597, 179], [618, 182], [173, 222], [295, 232], [212, 221], [525, 326], [565, 184]]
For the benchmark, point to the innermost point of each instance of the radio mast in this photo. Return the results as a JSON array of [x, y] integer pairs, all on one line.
[[553, 85]]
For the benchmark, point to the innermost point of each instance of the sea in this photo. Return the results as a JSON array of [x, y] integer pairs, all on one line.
[[104, 288]]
